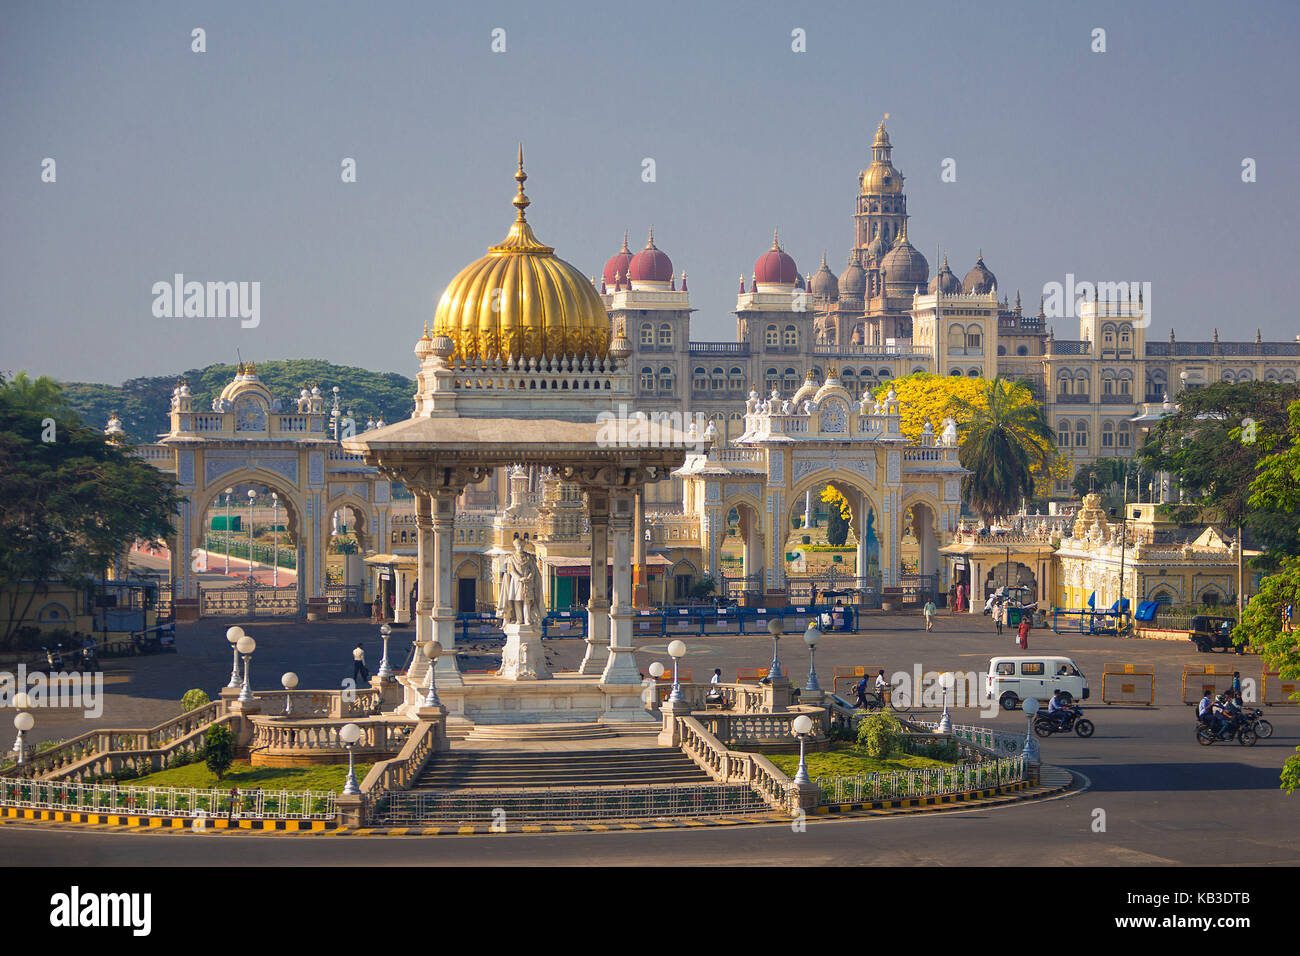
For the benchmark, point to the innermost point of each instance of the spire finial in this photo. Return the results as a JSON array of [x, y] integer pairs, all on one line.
[[650, 243], [625, 248], [775, 243], [521, 201]]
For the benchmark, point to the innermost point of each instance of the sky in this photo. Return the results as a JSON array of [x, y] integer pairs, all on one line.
[[226, 165]]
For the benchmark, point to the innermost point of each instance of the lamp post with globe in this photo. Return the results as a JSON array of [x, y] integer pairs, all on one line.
[[432, 651], [290, 681], [252, 497], [774, 627], [676, 650], [349, 734], [226, 536], [245, 646], [23, 722], [1030, 753], [811, 637], [385, 669], [945, 722], [802, 727], [233, 634], [656, 670], [21, 703]]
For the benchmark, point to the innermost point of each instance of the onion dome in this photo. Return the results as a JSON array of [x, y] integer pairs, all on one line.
[[945, 280], [881, 176], [521, 301], [853, 280], [650, 264], [824, 283], [807, 391], [876, 248], [904, 266], [979, 279], [617, 266], [774, 267]]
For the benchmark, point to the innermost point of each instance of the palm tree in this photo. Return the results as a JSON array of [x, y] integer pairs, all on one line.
[[1007, 439]]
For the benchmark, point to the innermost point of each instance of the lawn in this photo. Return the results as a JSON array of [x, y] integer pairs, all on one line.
[[246, 777], [847, 759]]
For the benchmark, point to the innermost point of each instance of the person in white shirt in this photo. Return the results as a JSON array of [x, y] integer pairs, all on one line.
[[359, 672]]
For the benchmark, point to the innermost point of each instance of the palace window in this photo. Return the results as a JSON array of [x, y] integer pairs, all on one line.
[[1002, 350], [1126, 383], [1022, 350], [771, 337], [735, 379], [1081, 382], [1081, 434], [790, 339], [647, 334], [1124, 434], [1064, 382], [666, 335], [1108, 435], [716, 379], [1063, 434], [666, 378], [699, 381], [790, 381], [974, 336], [647, 379], [956, 340]]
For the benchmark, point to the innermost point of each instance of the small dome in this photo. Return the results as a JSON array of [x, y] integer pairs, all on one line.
[[876, 248], [882, 178], [775, 267], [853, 280], [650, 264], [617, 266], [904, 266], [979, 279], [807, 391], [945, 280], [824, 283]]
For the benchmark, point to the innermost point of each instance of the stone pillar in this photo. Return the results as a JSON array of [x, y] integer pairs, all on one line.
[[640, 574], [807, 508], [444, 615], [621, 667], [597, 655], [424, 572], [864, 510]]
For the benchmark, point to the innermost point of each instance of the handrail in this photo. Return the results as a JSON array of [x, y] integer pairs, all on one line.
[[397, 773], [730, 766]]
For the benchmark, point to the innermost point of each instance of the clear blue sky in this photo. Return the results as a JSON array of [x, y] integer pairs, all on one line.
[[1124, 165]]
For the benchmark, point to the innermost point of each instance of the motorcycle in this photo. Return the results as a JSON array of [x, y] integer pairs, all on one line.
[[1242, 731], [53, 658], [1071, 719], [1263, 729], [86, 659]]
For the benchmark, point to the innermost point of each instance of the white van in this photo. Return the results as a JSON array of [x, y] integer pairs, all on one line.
[[1011, 680]]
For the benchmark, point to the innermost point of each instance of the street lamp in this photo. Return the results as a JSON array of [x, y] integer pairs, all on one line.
[[1030, 753], [21, 703], [349, 734], [23, 722], [432, 650], [945, 722], [774, 627], [656, 671], [802, 727], [229, 492], [252, 495], [275, 536], [811, 637], [290, 681], [233, 635], [385, 670], [245, 646], [675, 650]]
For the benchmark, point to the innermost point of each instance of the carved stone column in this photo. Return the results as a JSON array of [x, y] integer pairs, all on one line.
[[444, 615], [424, 571], [621, 668], [640, 574], [597, 655]]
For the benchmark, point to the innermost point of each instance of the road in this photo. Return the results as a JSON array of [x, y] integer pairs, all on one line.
[[1163, 799]]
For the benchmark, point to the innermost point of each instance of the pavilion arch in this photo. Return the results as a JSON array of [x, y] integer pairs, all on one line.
[[1165, 592], [361, 509], [751, 515], [1212, 594], [925, 528], [269, 480]]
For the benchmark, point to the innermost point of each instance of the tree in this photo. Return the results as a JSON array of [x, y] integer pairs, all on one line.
[[1214, 446], [219, 749], [70, 501], [837, 522], [927, 398], [1007, 438], [194, 699]]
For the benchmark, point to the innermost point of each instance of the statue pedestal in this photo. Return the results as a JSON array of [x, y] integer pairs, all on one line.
[[523, 657]]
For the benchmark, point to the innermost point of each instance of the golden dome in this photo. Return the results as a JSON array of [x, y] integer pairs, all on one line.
[[882, 177], [522, 301]]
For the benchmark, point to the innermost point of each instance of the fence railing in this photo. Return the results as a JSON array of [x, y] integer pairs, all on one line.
[[76, 797], [930, 781], [283, 735], [996, 741]]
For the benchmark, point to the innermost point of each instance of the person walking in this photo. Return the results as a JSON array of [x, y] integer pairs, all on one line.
[[952, 599], [928, 611], [999, 615], [1022, 637], [359, 673]]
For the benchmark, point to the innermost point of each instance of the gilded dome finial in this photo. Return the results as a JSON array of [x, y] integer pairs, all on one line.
[[521, 201], [775, 240], [625, 248], [650, 242]]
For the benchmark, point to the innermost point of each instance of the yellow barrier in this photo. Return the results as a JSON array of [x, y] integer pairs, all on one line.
[[1278, 690], [1128, 684], [1201, 679], [851, 676]]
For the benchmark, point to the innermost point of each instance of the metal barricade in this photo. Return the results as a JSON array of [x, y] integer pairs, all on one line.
[[1128, 684]]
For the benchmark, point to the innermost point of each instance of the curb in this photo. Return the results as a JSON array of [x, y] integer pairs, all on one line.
[[1015, 793]]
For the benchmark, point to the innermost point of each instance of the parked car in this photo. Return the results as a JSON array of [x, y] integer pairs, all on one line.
[[1011, 680]]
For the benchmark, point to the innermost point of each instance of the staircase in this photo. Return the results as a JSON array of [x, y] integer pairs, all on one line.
[[531, 769]]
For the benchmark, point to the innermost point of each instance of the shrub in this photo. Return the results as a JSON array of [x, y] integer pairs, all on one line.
[[194, 699], [937, 750], [219, 749], [880, 734]]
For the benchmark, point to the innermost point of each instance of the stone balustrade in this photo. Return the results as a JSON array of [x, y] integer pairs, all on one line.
[[287, 737], [728, 766], [424, 741]]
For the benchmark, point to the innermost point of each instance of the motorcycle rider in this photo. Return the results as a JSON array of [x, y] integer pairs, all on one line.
[[1205, 709], [1230, 715], [1056, 709]]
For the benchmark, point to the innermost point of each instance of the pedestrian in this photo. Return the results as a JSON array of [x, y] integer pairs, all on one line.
[[1022, 637], [359, 673], [999, 615], [234, 801], [928, 611], [1236, 683], [952, 599]]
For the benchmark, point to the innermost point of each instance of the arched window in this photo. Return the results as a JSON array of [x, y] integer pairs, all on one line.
[[1228, 375], [666, 379], [956, 340], [1022, 350], [1162, 597], [1081, 433], [771, 337], [1125, 338], [918, 371], [1156, 385], [974, 339], [790, 338], [647, 334], [1063, 433], [1064, 382], [1107, 382], [770, 376], [1288, 376], [955, 371], [735, 379], [1125, 381], [699, 381], [1270, 375], [716, 380], [666, 335], [1245, 375], [647, 379], [1081, 382], [1002, 350], [1108, 337], [972, 373], [1124, 434], [1108, 435], [790, 380], [883, 373]]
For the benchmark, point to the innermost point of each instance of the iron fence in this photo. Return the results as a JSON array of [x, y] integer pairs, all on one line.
[[397, 807], [70, 796], [931, 781]]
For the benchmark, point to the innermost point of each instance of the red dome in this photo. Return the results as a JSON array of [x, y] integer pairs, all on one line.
[[650, 264], [618, 264], [775, 266]]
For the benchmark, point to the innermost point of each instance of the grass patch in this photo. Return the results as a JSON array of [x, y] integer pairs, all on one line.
[[247, 777], [847, 759]]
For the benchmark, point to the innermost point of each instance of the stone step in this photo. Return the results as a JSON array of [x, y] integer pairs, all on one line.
[[630, 767], [541, 732]]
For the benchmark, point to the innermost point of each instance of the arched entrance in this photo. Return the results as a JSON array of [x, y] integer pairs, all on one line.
[[246, 551], [1011, 574], [741, 555], [919, 551], [821, 567]]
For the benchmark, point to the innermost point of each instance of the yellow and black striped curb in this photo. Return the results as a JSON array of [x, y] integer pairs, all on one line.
[[1014, 793]]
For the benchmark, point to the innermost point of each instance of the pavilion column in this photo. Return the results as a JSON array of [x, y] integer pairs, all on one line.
[[807, 508], [621, 668], [640, 574], [864, 512], [444, 616], [424, 572], [597, 655]]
